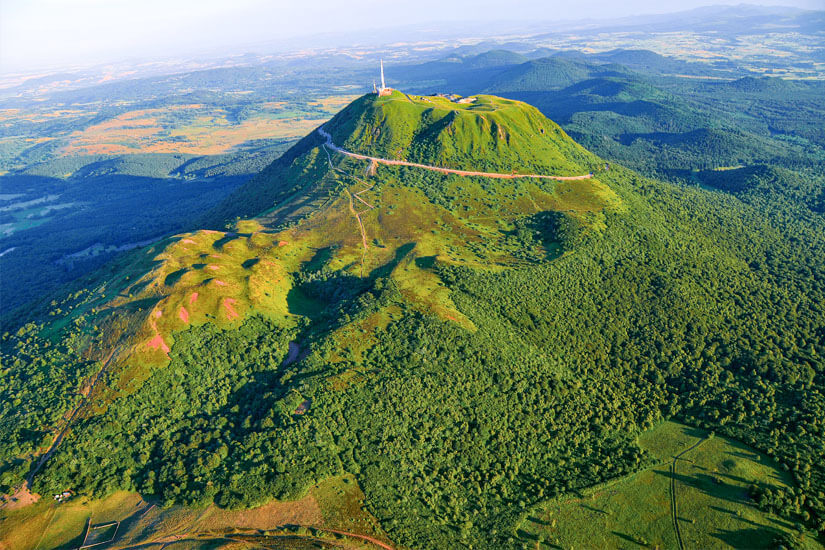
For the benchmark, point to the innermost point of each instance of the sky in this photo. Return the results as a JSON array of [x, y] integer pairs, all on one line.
[[66, 33]]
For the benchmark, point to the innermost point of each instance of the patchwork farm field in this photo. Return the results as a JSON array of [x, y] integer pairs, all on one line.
[[111, 171], [707, 495], [189, 128]]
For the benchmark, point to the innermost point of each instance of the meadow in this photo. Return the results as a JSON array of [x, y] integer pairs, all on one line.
[[711, 489]]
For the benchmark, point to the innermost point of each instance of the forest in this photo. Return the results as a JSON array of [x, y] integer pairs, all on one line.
[[698, 300], [699, 306]]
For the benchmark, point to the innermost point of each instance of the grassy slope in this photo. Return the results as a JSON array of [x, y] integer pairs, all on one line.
[[222, 277], [713, 506], [491, 134]]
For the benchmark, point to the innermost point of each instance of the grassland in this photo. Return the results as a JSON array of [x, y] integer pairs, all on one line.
[[713, 506], [322, 517], [402, 229]]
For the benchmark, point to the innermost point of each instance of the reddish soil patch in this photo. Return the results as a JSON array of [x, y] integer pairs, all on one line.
[[451, 318], [230, 311], [282, 243], [193, 297], [183, 314], [269, 516], [213, 267], [158, 313], [21, 498], [158, 343], [219, 282], [189, 241]]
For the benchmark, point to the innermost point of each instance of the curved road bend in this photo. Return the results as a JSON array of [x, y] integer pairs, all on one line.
[[390, 162]]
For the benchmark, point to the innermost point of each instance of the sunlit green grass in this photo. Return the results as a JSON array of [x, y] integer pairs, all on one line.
[[713, 506]]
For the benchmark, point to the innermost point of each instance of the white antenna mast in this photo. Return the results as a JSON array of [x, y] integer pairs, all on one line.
[[383, 85]]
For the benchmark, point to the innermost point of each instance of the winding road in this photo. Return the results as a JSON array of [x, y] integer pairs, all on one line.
[[390, 162]]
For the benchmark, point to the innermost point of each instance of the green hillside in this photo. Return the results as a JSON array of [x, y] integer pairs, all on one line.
[[491, 134], [550, 73], [464, 349]]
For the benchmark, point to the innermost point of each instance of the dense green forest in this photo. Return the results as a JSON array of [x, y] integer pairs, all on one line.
[[693, 304], [694, 294]]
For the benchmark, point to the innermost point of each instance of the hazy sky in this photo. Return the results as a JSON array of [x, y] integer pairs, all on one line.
[[36, 33]]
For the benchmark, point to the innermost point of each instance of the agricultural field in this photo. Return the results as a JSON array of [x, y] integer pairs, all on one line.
[[113, 174], [330, 515], [707, 494], [45, 132]]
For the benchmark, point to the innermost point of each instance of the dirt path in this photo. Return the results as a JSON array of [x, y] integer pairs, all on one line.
[[48, 524], [242, 537], [358, 196], [86, 392], [390, 162], [374, 541], [352, 205], [361, 226], [673, 509]]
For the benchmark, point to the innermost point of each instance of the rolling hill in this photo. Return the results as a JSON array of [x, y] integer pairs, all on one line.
[[464, 349]]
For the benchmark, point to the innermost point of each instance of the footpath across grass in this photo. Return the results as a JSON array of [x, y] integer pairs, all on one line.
[[714, 509]]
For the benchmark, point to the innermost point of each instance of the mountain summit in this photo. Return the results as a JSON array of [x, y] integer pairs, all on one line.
[[483, 133], [214, 350]]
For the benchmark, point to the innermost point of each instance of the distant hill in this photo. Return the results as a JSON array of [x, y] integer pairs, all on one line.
[[763, 85], [649, 62], [494, 58], [548, 74], [728, 19]]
